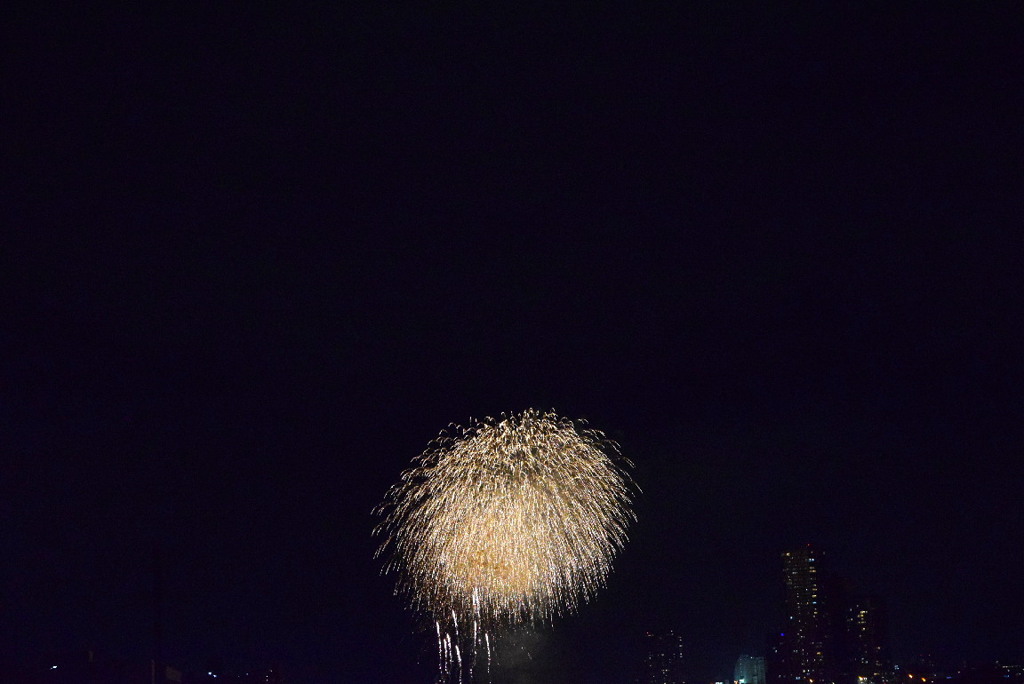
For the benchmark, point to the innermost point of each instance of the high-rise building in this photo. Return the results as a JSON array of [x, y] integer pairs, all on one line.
[[749, 670], [663, 661], [809, 628], [803, 652], [866, 641], [831, 634]]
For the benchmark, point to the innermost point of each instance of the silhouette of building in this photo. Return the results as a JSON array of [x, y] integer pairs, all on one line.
[[831, 634], [865, 641], [664, 659], [804, 651]]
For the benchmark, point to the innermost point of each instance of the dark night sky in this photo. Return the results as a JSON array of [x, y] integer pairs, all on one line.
[[256, 260]]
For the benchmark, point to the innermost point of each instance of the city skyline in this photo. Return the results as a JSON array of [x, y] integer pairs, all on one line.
[[818, 604]]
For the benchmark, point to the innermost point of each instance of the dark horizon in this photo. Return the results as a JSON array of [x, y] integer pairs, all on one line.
[[259, 259], [553, 652]]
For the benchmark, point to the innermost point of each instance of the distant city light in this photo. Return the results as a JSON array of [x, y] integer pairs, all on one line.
[[54, 667]]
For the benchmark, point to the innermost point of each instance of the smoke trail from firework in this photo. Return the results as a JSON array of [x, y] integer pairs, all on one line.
[[506, 521]]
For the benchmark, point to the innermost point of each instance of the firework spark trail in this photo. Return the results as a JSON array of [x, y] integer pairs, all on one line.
[[506, 521]]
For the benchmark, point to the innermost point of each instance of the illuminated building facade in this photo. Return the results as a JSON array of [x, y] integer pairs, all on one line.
[[749, 670]]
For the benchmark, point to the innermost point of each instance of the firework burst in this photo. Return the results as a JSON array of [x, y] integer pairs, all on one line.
[[505, 521]]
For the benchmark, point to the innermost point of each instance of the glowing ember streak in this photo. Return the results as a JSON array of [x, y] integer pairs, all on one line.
[[506, 521]]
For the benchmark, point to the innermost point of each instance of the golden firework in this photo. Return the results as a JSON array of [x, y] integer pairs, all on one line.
[[508, 520]]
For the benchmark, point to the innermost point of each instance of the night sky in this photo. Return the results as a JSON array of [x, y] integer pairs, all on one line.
[[256, 260]]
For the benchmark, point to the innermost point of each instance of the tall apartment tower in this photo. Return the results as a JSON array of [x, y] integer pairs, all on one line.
[[832, 635], [664, 660], [867, 642], [806, 645]]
